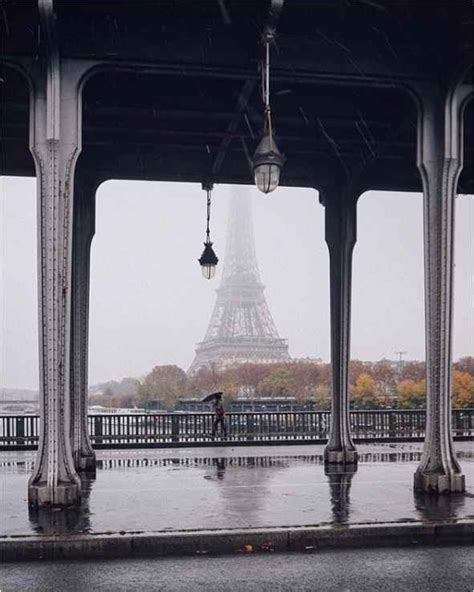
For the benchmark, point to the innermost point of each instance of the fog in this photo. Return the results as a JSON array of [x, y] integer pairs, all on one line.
[[150, 304]]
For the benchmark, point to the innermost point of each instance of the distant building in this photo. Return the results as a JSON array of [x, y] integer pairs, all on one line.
[[267, 404], [241, 329], [192, 405], [155, 405]]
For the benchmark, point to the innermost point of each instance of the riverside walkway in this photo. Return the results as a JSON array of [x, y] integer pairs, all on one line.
[[186, 492]]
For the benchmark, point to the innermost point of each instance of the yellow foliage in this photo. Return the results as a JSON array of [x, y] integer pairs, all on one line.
[[463, 389], [411, 394], [364, 386], [409, 388]]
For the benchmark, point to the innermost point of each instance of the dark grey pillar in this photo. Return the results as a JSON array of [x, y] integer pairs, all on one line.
[[55, 141], [340, 215], [83, 232], [440, 163]]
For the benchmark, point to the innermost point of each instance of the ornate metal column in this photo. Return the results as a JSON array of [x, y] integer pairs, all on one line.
[[82, 234], [340, 212], [439, 162], [55, 144]]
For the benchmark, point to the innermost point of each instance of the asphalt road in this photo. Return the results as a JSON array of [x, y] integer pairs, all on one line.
[[427, 569]]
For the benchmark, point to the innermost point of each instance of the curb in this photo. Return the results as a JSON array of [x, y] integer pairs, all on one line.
[[221, 542], [233, 443]]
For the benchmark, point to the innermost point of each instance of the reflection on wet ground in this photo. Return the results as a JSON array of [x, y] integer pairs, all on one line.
[[244, 487]]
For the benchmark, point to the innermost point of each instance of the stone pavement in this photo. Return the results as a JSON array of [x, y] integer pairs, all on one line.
[[224, 488]]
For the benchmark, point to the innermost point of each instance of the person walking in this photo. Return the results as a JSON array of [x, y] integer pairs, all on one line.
[[219, 419]]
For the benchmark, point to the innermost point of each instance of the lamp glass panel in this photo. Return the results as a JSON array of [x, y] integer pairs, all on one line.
[[208, 271], [267, 177]]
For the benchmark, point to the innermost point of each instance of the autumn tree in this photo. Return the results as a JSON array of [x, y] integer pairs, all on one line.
[[386, 377], [465, 364], [411, 394], [165, 383], [356, 368], [250, 375], [306, 377], [463, 389], [412, 370], [381, 384], [363, 395], [321, 397], [204, 380], [278, 383], [229, 383]]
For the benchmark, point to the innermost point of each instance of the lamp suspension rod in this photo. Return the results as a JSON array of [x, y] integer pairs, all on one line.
[[267, 75], [266, 90], [208, 214]]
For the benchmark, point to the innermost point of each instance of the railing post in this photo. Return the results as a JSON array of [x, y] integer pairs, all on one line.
[[98, 429], [20, 428], [175, 428], [250, 426], [392, 424]]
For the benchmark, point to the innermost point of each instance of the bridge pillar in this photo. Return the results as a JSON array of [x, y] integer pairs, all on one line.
[[440, 163], [82, 234], [55, 140], [340, 220]]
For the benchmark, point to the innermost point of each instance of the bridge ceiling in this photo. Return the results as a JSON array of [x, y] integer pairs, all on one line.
[[179, 96], [177, 126]]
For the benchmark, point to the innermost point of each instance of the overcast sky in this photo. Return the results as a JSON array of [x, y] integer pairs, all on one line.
[[150, 304]]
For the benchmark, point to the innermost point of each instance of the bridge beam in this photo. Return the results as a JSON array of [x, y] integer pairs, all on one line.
[[440, 160], [340, 221], [82, 234]]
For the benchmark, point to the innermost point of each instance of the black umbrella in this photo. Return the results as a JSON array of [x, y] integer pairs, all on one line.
[[212, 396]]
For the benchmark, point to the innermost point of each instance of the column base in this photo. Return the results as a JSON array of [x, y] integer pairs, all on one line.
[[64, 494], [86, 463], [53, 521], [436, 483], [340, 471], [340, 457]]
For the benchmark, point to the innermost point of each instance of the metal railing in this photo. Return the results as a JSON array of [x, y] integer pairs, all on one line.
[[181, 429]]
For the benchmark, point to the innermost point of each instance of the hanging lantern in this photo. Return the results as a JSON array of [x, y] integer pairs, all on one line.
[[267, 159], [267, 163], [208, 260]]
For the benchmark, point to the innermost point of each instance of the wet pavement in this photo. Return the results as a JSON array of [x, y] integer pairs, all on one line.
[[445, 569], [244, 487]]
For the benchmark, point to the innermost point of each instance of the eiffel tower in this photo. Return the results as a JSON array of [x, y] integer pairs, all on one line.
[[241, 329]]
